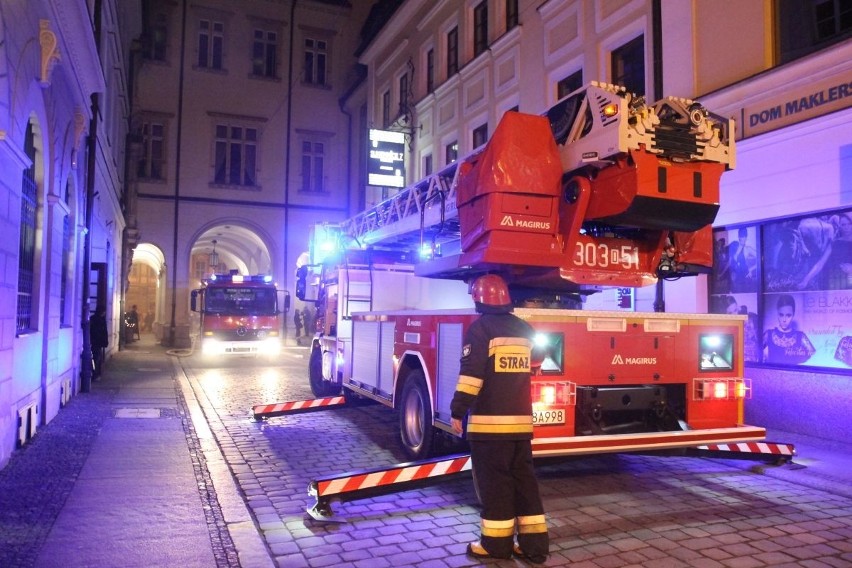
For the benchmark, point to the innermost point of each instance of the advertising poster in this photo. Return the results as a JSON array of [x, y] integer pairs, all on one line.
[[798, 296]]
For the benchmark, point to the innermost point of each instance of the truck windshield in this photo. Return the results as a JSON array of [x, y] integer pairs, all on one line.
[[243, 301]]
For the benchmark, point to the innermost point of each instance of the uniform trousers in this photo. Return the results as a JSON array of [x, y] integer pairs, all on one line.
[[505, 480]]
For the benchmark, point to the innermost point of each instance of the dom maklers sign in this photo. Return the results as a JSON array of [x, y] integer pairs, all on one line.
[[385, 164]]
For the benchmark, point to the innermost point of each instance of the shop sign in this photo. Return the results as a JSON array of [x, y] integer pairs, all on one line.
[[797, 105]]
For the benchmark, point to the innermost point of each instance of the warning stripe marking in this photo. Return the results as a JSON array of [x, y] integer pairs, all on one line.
[[370, 480], [753, 447], [297, 405]]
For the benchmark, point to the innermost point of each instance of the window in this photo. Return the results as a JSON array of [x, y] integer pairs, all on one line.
[[427, 165], [804, 26], [430, 71], [569, 84], [156, 47], [313, 162], [480, 135], [27, 243], [453, 51], [403, 95], [316, 61], [211, 41], [386, 109], [452, 152], [628, 65], [264, 54], [150, 164], [67, 235], [511, 14], [65, 269], [480, 28], [236, 155]]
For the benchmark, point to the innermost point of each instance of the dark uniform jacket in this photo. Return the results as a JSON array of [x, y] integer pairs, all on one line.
[[494, 379]]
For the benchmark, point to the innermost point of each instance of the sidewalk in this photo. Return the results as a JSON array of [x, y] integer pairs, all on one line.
[[126, 475]]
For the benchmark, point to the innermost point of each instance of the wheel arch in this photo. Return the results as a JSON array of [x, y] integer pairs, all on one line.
[[409, 362]]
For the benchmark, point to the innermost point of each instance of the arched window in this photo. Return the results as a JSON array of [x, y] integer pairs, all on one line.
[[27, 246], [64, 275]]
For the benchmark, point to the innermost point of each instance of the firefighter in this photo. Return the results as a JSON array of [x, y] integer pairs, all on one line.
[[494, 386]]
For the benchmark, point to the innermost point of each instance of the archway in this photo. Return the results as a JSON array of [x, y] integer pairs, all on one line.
[[146, 288], [229, 246]]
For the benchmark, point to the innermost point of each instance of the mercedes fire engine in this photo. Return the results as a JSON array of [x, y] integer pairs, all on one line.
[[603, 190], [238, 315]]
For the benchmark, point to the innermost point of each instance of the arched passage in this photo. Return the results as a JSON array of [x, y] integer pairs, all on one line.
[[229, 246], [146, 288]]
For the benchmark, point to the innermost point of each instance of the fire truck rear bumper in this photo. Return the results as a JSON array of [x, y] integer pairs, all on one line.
[[578, 445]]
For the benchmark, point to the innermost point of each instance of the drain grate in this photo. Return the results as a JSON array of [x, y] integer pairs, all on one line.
[[137, 413]]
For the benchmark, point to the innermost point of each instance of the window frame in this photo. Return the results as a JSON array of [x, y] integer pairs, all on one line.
[[270, 49], [224, 148], [480, 28]]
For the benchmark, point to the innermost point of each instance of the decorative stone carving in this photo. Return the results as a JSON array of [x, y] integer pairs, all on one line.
[[49, 51]]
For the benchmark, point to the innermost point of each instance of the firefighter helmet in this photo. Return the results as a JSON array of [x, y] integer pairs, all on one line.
[[491, 294]]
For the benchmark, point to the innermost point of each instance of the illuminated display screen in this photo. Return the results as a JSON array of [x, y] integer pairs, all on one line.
[[716, 351], [386, 159]]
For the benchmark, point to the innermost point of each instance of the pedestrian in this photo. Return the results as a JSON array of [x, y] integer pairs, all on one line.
[[149, 321], [297, 322], [307, 320], [132, 322], [494, 386], [98, 339]]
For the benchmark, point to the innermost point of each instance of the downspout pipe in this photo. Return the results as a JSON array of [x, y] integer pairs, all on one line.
[[288, 142], [179, 135], [91, 174]]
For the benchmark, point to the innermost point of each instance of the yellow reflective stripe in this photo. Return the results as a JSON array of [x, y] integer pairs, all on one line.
[[469, 385], [498, 342], [498, 429], [501, 419], [498, 529], [532, 524]]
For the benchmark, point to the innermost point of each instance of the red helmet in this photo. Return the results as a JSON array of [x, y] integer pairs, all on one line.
[[492, 292]]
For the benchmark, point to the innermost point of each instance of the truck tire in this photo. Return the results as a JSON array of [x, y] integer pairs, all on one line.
[[321, 385], [417, 433]]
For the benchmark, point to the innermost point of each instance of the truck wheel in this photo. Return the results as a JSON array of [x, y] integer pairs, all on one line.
[[321, 384], [416, 430]]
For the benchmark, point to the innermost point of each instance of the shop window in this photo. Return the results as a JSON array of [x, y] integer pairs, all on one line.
[[790, 279]]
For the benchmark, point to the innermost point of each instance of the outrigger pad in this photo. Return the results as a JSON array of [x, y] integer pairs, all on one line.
[[324, 514]]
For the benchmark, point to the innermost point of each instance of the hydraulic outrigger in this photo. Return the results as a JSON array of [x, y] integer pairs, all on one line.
[[367, 483]]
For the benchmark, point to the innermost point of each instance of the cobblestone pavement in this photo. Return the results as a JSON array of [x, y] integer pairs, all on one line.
[[603, 511]]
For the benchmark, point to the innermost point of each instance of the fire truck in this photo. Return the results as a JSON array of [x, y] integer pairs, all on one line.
[[602, 190], [238, 315]]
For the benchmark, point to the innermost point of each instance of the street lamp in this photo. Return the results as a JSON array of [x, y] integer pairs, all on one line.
[[213, 258]]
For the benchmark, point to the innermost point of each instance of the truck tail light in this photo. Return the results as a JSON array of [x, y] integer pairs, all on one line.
[[562, 393], [721, 389]]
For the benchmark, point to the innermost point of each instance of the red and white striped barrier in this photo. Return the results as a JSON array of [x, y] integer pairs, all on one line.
[[370, 483], [296, 406], [768, 448]]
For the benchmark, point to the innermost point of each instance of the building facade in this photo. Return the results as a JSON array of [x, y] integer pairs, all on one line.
[[63, 122], [241, 141], [444, 73]]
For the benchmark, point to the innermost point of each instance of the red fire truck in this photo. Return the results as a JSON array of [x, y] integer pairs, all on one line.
[[238, 315], [604, 190]]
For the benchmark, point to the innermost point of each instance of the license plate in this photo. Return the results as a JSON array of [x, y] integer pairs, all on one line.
[[555, 416]]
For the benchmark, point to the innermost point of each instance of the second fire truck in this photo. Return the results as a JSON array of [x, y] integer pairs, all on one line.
[[604, 190], [238, 315]]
